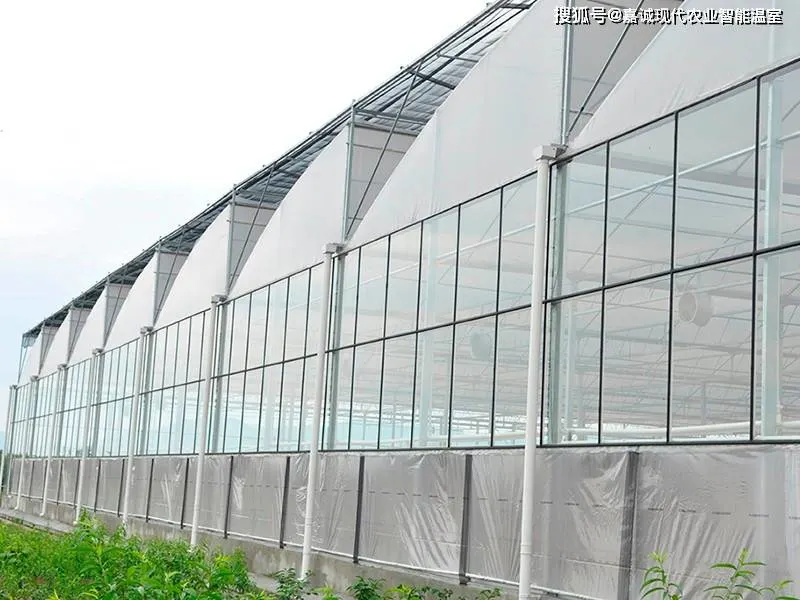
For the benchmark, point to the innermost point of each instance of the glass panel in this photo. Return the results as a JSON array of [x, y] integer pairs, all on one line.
[[337, 409], [516, 255], [479, 227], [252, 409], [473, 379], [276, 323], [398, 392], [511, 377], [237, 335], [372, 290], [365, 411], [257, 328], [154, 416], [182, 351], [233, 419], [639, 238], [347, 282], [171, 347], [576, 228], [165, 421], [309, 390], [711, 339], [635, 359], [432, 389], [196, 346], [177, 419], [315, 305], [401, 310], [158, 342], [779, 158], [125, 428], [573, 382], [290, 406], [716, 179], [296, 320], [777, 368], [270, 407], [190, 416], [438, 273]]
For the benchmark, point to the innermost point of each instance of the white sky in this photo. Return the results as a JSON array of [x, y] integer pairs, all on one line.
[[119, 121]]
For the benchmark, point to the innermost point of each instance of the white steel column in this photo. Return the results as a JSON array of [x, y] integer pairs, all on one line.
[[205, 399], [138, 387], [9, 439], [58, 406], [27, 447], [91, 397], [545, 156], [313, 458]]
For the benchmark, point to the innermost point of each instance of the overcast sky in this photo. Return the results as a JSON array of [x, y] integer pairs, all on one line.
[[121, 120]]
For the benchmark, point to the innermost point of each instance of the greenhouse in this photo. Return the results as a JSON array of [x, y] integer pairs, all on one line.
[[523, 314]]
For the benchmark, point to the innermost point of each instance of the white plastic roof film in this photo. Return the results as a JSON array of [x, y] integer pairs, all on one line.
[[36, 354], [100, 319], [684, 63], [248, 225], [309, 217], [486, 131], [167, 267], [202, 276], [60, 347], [137, 310]]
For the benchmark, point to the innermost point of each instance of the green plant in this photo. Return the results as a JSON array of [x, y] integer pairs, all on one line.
[[366, 589], [404, 592], [657, 582], [290, 586], [327, 593]]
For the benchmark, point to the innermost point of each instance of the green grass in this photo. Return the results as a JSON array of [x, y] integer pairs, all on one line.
[[93, 563]]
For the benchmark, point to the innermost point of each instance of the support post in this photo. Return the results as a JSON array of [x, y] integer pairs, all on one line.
[[149, 489], [205, 399], [313, 460], [94, 386], [228, 499], [359, 509], [463, 560], [58, 406], [544, 158], [185, 489], [138, 387], [28, 441], [9, 440], [285, 502]]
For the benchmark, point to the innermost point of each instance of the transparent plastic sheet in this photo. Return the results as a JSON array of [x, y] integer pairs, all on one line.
[[37, 478], [27, 473], [140, 479], [89, 482], [108, 493], [190, 479], [69, 481], [257, 496], [54, 468], [296, 509], [13, 476], [214, 492], [412, 509], [166, 497], [335, 511], [495, 512]]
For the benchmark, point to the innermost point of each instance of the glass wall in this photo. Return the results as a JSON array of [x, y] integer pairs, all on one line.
[[671, 286]]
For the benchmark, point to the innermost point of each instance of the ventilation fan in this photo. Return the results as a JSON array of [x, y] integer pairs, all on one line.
[[481, 346], [695, 307]]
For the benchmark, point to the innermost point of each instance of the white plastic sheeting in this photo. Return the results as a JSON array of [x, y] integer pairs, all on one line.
[[140, 481], [684, 63], [35, 356], [69, 481], [202, 276], [215, 492], [257, 496], [486, 131], [108, 492], [248, 225], [64, 339], [53, 468], [99, 322], [310, 216], [166, 495], [137, 310]]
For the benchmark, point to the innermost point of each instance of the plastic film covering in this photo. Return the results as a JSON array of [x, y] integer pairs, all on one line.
[[166, 497], [188, 509], [69, 481], [37, 478], [335, 510], [13, 476], [412, 509], [108, 493], [27, 472], [215, 493], [296, 509], [140, 479], [54, 467], [89, 482], [495, 512], [257, 496]]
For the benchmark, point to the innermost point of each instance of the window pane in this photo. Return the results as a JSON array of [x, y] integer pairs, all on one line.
[[171, 347], [347, 286], [473, 378], [190, 416], [639, 238], [479, 227], [177, 419], [257, 328], [315, 304], [153, 421], [290, 406], [270, 407], [511, 378], [276, 324], [372, 290], [398, 392], [573, 386], [252, 407], [711, 352], [366, 396], [309, 390], [516, 255], [237, 335], [437, 280], [158, 342], [233, 417], [779, 155], [296, 320], [196, 346], [337, 409], [714, 197], [182, 351], [576, 228], [432, 390], [401, 310], [635, 354]]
